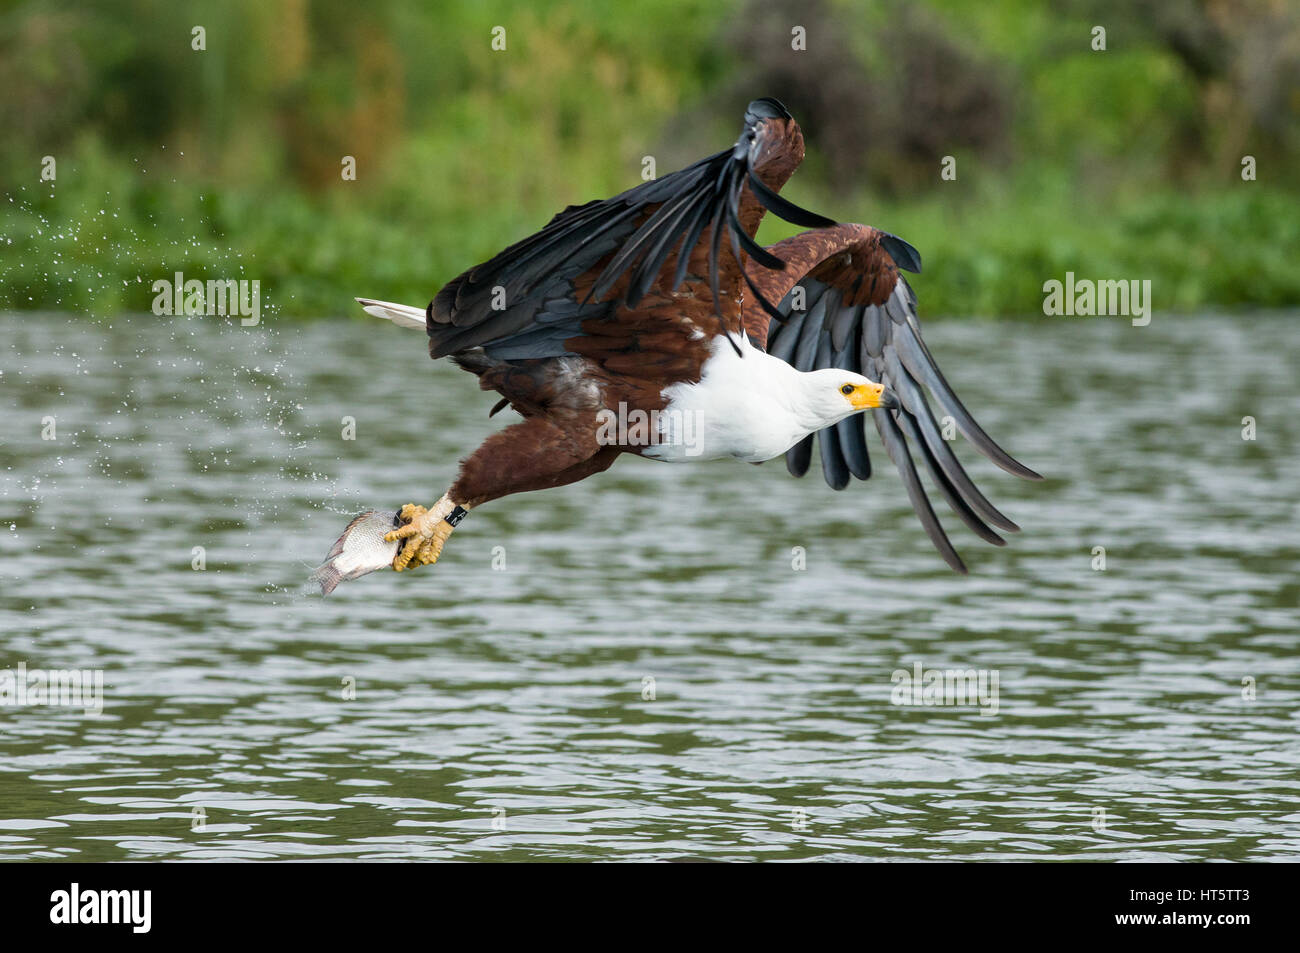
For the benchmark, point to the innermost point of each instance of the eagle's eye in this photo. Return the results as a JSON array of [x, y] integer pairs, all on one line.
[[846, 390]]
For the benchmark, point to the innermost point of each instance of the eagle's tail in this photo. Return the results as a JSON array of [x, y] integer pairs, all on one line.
[[402, 315]]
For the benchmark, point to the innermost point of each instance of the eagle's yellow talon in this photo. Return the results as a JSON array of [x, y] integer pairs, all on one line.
[[407, 553], [431, 548], [408, 514], [425, 531]]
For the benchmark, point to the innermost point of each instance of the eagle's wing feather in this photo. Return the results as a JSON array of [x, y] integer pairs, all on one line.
[[859, 314], [592, 257]]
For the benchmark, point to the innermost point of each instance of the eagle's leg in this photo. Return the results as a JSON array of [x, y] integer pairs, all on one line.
[[534, 454], [425, 531]]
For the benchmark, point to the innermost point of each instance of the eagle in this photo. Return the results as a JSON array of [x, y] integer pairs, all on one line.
[[653, 323]]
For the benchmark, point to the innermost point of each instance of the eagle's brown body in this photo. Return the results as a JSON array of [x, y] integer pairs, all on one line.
[[627, 357]]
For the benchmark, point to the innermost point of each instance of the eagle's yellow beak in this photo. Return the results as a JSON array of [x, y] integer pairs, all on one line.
[[869, 396]]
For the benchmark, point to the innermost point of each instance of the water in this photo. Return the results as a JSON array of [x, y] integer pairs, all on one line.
[[499, 713]]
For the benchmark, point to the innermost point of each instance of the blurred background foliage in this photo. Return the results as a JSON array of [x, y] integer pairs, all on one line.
[[226, 162]]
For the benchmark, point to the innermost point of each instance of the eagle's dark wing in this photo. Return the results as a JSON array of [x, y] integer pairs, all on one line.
[[530, 298], [849, 308]]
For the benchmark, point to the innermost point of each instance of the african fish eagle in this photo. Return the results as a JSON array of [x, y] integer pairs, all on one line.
[[658, 305]]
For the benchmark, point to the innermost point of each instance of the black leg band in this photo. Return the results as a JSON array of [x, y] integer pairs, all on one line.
[[455, 516]]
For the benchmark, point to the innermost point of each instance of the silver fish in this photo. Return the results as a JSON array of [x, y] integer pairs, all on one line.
[[360, 550]]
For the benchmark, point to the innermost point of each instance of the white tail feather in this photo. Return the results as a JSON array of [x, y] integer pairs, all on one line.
[[402, 315]]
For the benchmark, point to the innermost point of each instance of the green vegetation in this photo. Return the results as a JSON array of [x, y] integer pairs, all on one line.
[[226, 162]]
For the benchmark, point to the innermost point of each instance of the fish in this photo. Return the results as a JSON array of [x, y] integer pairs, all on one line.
[[360, 550]]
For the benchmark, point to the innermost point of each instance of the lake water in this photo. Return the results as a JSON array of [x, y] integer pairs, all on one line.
[[497, 705]]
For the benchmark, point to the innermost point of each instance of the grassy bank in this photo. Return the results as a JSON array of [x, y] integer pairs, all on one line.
[[96, 240], [225, 162]]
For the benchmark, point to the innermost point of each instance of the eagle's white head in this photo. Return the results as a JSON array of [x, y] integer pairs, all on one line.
[[828, 396]]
